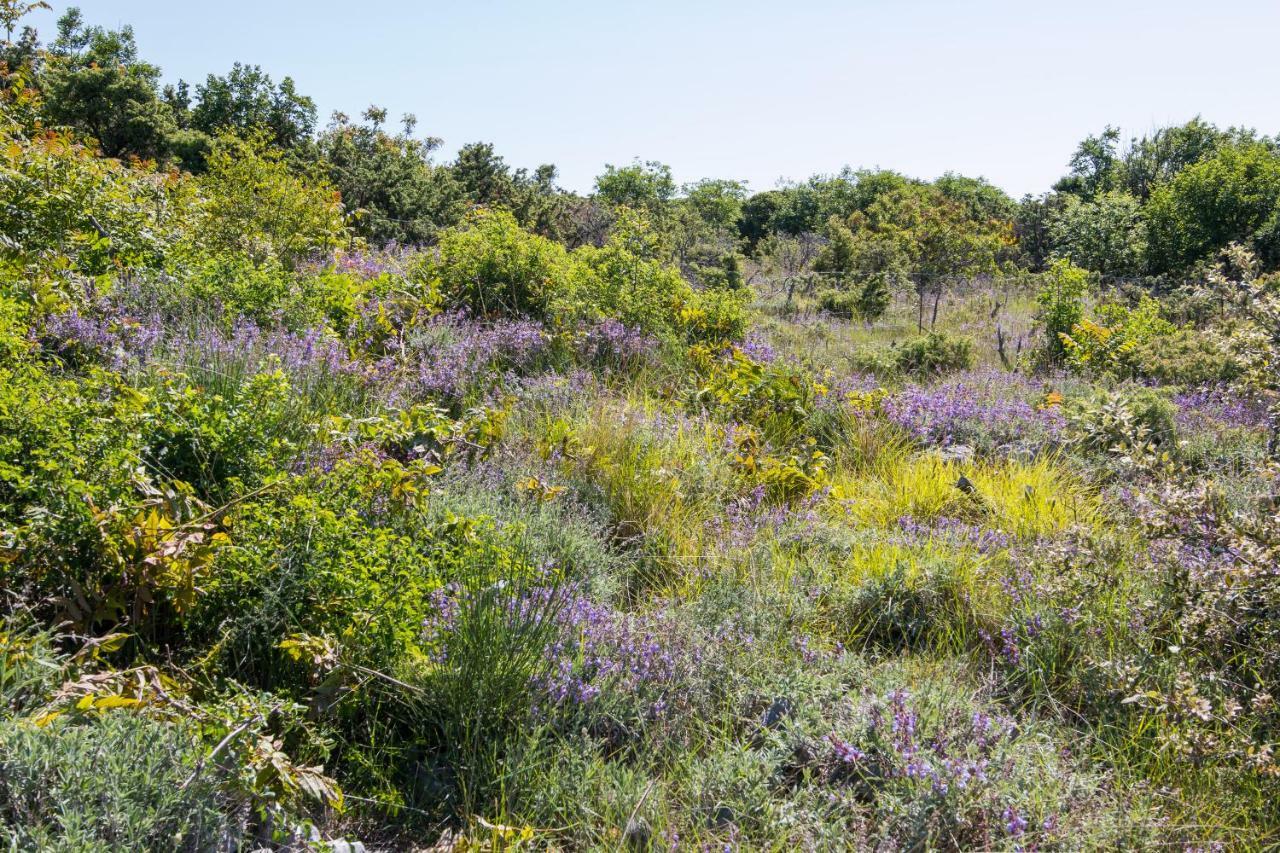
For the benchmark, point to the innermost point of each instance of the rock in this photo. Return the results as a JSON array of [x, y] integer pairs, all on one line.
[[956, 453], [778, 711]]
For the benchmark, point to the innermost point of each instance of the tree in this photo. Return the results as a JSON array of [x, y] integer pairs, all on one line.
[[838, 256], [1094, 167], [980, 198], [1107, 235], [95, 83], [1231, 196], [717, 202], [246, 99], [1156, 159], [644, 186], [936, 239], [483, 176], [757, 218], [539, 204], [256, 204], [388, 180], [13, 11], [1031, 228]]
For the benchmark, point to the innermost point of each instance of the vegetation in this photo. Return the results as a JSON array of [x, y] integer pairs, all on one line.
[[348, 495]]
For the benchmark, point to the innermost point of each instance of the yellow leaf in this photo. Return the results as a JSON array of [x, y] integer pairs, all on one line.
[[47, 718]]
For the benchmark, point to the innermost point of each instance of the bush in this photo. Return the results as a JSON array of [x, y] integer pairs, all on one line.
[[1104, 346], [492, 267], [255, 204], [868, 302], [714, 316], [1131, 421], [839, 303], [1061, 300], [1184, 357], [118, 781], [935, 354]]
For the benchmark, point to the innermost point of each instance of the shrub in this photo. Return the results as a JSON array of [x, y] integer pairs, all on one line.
[[1131, 421], [1183, 357], [935, 354], [117, 781], [1061, 300], [625, 280], [714, 316], [1107, 345], [839, 303], [255, 204], [490, 266], [867, 302]]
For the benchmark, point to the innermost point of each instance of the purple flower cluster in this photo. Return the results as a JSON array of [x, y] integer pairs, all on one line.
[[364, 263], [600, 648], [988, 410], [961, 757], [111, 338], [454, 354], [613, 343], [952, 531], [756, 348], [1217, 404], [308, 357], [956, 758], [311, 351]]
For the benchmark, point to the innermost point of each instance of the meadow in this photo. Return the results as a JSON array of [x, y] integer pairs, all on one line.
[[610, 523]]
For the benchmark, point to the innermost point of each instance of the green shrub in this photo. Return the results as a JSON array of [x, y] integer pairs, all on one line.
[[119, 781], [839, 303], [255, 204], [714, 316], [867, 302], [1129, 420], [626, 279], [1184, 357], [935, 354], [1061, 300], [222, 443], [493, 267], [1104, 346]]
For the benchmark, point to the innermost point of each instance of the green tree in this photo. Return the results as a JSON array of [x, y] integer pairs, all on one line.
[[716, 202], [936, 239], [1094, 167], [13, 11], [980, 198], [1155, 159], [388, 181], [23, 53], [644, 186], [257, 205], [1107, 235], [94, 82], [483, 176], [757, 220], [1231, 196], [246, 98], [839, 256]]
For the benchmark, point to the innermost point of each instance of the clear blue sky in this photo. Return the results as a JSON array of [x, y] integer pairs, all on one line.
[[743, 89]]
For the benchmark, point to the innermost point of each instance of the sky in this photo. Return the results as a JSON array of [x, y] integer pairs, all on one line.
[[755, 91]]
